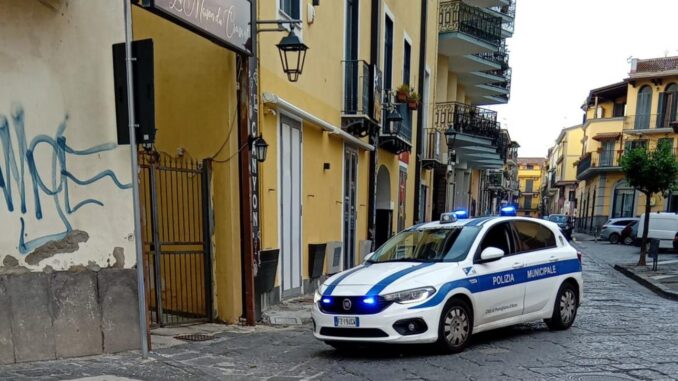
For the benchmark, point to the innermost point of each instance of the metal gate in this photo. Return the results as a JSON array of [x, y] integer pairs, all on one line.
[[177, 258]]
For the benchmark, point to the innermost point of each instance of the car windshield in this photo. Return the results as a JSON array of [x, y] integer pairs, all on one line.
[[558, 218], [427, 245]]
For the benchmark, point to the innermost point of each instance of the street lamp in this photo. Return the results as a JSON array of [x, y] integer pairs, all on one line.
[[393, 120], [292, 55]]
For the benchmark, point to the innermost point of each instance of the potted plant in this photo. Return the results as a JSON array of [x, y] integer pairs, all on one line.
[[413, 100], [402, 92]]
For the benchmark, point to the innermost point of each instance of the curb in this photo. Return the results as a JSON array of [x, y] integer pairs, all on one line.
[[656, 288]]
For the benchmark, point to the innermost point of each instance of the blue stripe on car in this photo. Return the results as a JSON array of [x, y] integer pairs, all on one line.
[[479, 221], [504, 279], [335, 283], [382, 284]]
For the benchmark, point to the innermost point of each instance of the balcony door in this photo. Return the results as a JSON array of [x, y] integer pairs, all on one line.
[[643, 108], [351, 66], [668, 106], [350, 210], [607, 153]]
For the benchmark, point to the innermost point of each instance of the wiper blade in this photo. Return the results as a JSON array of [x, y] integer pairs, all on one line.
[[406, 260]]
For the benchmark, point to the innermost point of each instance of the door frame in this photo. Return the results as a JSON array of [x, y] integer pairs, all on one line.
[[282, 115], [348, 147]]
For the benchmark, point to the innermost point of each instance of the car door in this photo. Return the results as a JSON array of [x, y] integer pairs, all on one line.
[[499, 294], [536, 246]]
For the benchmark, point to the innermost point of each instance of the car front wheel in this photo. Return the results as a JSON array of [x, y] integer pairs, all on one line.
[[456, 326], [565, 308], [614, 238]]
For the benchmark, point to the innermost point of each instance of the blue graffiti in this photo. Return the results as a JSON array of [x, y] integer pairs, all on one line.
[[13, 171]]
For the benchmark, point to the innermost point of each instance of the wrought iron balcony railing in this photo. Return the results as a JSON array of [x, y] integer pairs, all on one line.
[[356, 88], [649, 121], [510, 12], [606, 159], [455, 16], [499, 56], [466, 119], [505, 83]]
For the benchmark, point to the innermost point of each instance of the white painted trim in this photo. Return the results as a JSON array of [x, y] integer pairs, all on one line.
[[289, 108], [281, 15], [386, 12]]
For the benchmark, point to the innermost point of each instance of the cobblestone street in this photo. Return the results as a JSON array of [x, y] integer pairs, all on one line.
[[623, 331]]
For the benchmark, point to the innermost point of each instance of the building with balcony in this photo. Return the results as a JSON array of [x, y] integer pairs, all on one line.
[[636, 112], [530, 175], [561, 195], [472, 71]]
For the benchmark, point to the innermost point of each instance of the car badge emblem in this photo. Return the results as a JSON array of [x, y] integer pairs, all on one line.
[[469, 270], [347, 304]]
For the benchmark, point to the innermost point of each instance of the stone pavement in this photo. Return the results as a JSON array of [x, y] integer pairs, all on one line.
[[623, 332]]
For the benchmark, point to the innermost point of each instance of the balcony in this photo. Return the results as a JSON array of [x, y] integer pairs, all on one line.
[[499, 57], [476, 136], [360, 114], [507, 12], [598, 162], [465, 29], [647, 124], [432, 155]]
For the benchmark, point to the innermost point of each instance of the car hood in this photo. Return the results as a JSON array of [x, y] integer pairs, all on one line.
[[381, 278]]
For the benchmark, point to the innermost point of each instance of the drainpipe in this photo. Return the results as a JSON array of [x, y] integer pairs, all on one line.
[[141, 293], [420, 114], [374, 136]]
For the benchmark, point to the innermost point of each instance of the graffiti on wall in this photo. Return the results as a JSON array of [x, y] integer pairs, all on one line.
[[49, 181]]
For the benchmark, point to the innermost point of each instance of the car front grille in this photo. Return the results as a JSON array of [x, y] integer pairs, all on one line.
[[337, 305], [352, 332]]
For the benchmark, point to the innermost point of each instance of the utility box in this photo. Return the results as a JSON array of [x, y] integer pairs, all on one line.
[[334, 257]]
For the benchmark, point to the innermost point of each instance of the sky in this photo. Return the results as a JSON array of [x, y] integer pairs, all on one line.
[[562, 49]]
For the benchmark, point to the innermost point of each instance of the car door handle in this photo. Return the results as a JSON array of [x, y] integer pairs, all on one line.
[[553, 259], [518, 265]]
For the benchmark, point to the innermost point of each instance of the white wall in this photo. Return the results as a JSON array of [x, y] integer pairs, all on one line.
[[56, 79]]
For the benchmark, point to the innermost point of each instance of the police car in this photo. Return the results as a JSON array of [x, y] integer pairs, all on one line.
[[444, 281]]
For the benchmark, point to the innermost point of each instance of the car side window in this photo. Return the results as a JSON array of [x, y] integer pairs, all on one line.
[[497, 236], [533, 236], [621, 223]]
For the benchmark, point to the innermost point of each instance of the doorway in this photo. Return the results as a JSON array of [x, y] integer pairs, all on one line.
[[290, 206], [350, 185], [384, 215]]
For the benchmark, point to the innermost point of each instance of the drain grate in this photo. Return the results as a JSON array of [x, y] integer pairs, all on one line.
[[195, 337]]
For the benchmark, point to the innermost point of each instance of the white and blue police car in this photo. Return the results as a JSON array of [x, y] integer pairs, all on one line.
[[443, 281]]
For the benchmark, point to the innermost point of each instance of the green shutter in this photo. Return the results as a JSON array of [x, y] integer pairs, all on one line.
[[661, 109]]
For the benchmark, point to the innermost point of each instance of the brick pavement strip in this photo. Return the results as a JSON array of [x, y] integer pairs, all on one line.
[[622, 332]]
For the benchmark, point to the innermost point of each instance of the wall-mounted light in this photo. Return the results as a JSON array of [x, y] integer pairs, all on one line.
[[259, 148]]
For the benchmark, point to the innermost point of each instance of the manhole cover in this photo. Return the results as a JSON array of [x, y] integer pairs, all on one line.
[[193, 337], [599, 377]]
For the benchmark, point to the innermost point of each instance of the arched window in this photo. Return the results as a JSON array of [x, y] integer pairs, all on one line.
[[667, 108], [623, 201], [643, 108]]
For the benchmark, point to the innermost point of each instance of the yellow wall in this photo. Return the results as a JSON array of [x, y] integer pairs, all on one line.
[[195, 101]]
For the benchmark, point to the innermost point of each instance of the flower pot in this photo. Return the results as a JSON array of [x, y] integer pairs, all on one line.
[[265, 279], [412, 105], [316, 258], [401, 96]]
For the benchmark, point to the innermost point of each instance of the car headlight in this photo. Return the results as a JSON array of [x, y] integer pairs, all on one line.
[[410, 296], [316, 297]]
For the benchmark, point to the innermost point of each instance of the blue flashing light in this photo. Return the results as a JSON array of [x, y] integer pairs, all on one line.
[[327, 300], [508, 211], [461, 213], [369, 300]]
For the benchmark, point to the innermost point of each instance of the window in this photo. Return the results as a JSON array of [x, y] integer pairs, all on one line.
[[407, 62], [618, 110], [571, 196], [428, 245], [643, 108], [607, 153], [668, 106], [497, 236], [533, 236], [633, 144], [530, 166], [528, 203], [529, 184], [290, 8], [623, 201]]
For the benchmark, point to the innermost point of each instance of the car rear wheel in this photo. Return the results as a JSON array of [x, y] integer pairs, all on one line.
[[565, 308], [628, 240], [456, 326], [614, 238]]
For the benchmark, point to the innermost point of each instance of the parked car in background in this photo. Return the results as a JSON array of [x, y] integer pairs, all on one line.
[[564, 222], [629, 235], [611, 230], [663, 226]]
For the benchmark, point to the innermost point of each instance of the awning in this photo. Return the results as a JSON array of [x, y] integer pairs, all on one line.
[[607, 136], [272, 99]]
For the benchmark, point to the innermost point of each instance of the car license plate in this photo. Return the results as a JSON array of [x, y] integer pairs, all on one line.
[[346, 321]]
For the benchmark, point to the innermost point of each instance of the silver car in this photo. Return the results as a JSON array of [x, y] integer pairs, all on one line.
[[611, 230]]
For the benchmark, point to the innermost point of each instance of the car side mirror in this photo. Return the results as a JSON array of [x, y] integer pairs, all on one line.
[[368, 256], [491, 254]]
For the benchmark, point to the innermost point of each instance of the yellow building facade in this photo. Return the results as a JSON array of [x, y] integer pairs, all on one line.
[[633, 113], [561, 172], [530, 173]]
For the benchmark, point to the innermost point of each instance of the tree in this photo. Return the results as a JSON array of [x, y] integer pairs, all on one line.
[[649, 173]]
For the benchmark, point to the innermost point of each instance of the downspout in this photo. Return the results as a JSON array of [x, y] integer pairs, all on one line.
[[420, 114], [374, 136], [141, 292]]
